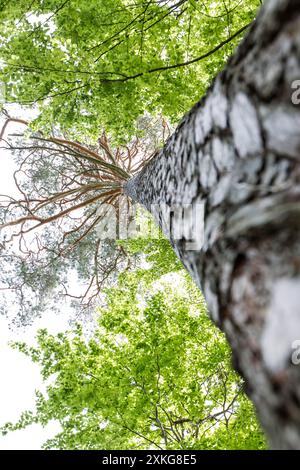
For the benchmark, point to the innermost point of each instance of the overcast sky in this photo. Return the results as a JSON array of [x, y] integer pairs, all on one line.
[[19, 376]]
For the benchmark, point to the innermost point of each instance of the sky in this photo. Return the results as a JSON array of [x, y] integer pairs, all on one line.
[[19, 377]]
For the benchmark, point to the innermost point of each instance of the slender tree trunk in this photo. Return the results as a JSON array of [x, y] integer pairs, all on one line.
[[237, 154]]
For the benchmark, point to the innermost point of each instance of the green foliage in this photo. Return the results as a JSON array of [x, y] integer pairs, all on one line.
[[85, 62], [157, 253], [155, 374]]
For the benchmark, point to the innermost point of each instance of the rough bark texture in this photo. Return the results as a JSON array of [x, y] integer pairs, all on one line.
[[238, 152]]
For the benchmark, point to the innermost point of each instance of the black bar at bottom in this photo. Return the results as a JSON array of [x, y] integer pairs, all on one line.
[[138, 459]]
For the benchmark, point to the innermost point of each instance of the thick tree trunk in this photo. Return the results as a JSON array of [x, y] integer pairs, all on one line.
[[237, 152]]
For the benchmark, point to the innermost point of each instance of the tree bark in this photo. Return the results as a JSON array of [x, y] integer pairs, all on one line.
[[237, 153]]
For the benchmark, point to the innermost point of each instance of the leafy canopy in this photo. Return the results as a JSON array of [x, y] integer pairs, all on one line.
[[94, 64], [155, 374]]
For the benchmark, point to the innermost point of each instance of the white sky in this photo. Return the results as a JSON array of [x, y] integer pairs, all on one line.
[[19, 379], [18, 375]]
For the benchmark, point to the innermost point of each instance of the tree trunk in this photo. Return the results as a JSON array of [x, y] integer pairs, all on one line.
[[237, 154]]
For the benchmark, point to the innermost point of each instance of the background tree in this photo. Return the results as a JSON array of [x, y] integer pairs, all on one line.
[[54, 239], [155, 374]]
